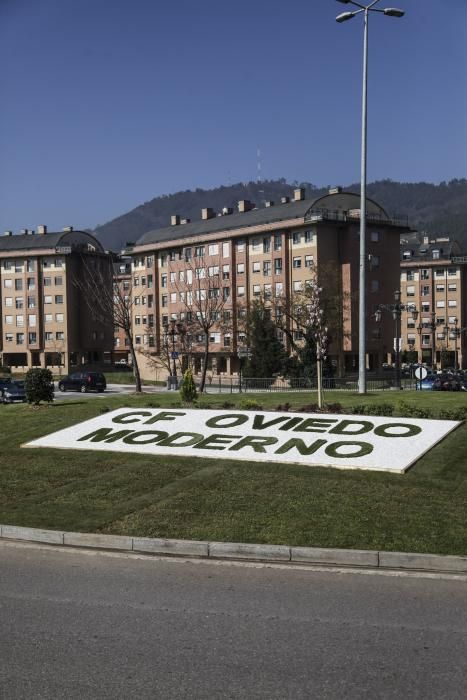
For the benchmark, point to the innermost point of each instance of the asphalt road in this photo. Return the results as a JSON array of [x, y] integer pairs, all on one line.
[[81, 625]]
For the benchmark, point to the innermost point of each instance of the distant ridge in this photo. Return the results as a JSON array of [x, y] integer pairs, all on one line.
[[438, 209]]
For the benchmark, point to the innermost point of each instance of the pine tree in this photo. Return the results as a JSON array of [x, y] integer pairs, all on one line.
[[267, 352]]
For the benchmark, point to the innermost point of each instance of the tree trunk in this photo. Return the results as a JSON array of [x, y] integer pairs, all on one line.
[[135, 368], [205, 364]]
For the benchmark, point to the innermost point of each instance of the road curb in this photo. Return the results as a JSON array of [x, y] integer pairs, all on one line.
[[354, 558]]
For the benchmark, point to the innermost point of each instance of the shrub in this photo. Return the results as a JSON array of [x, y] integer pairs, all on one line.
[[38, 384], [188, 390], [333, 407], [228, 404], [407, 411], [250, 405], [453, 413], [310, 408], [283, 407], [152, 404]]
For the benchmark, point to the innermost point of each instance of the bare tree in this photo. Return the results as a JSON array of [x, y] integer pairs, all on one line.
[[107, 297], [303, 312], [204, 299]]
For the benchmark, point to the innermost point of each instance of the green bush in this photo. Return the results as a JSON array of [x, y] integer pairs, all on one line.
[[407, 411], [38, 384], [453, 413], [188, 390], [250, 405]]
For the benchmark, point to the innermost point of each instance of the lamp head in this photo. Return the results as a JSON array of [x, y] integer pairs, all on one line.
[[344, 16], [393, 12]]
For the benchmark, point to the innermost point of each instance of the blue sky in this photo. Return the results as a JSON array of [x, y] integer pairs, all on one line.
[[109, 103]]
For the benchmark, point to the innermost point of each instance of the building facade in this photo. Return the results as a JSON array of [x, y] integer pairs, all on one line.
[[434, 282], [45, 320], [269, 253]]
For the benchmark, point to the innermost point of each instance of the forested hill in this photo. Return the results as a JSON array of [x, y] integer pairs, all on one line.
[[438, 209]]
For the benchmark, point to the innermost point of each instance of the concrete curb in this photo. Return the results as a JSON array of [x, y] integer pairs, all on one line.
[[354, 558]]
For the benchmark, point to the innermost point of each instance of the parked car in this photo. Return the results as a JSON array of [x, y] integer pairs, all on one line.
[[427, 383], [4, 382], [14, 392], [447, 382], [83, 381]]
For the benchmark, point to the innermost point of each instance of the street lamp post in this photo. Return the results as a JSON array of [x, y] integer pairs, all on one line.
[[396, 309], [172, 331], [343, 17]]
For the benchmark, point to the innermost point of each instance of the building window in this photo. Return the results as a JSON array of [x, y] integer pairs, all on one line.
[[278, 289], [425, 291], [214, 337], [173, 298], [435, 253], [20, 339], [9, 337], [296, 237], [225, 293], [374, 236], [425, 339], [452, 303], [440, 287], [256, 290], [225, 272], [277, 266], [452, 287], [59, 318], [199, 251], [32, 338], [411, 291], [255, 244], [48, 318], [164, 300], [18, 285], [163, 280], [257, 266], [8, 320], [424, 274], [59, 299], [8, 301], [267, 268], [48, 336], [59, 335], [149, 261], [225, 250], [19, 302], [20, 320], [213, 249], [308, 261], [241, 291], [374, 285], [297, 262], [309, 237], [410, 275], [277, 241], [241, 246], [47, 299], [266, 245], [47, 281], [213, 271], [267, 291], [240, 268], [297, 286], [452, 271], [58, 281]]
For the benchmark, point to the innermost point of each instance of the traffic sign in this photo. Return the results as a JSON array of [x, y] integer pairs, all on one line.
[[421, 373], [397, 344], [174, 355]]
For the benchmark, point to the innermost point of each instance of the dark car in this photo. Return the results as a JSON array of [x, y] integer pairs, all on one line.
[[447, 382], [83, 381], [427, 384], [4, 382], [14, 392]]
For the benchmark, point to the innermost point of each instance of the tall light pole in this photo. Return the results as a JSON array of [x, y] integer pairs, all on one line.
[[390, 12]]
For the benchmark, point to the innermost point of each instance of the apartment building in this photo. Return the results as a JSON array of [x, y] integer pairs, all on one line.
[[434, 282], [267, 252], [45, 320]]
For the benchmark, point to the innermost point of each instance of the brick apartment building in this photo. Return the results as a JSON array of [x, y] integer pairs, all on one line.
[[434, 281], [268, 252], [45, 320]]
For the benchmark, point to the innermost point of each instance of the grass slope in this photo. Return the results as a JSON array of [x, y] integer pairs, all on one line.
[[424, 510]]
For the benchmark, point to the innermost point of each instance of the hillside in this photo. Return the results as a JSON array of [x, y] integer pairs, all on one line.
[[438, 209]]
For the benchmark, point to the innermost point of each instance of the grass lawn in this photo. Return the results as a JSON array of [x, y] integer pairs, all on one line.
[[424, 510]]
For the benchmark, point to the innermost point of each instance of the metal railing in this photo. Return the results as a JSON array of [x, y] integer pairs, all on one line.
[[354, 215], [381, 382]]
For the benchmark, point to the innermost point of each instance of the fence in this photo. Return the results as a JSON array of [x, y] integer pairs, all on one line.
[[234, 385]]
